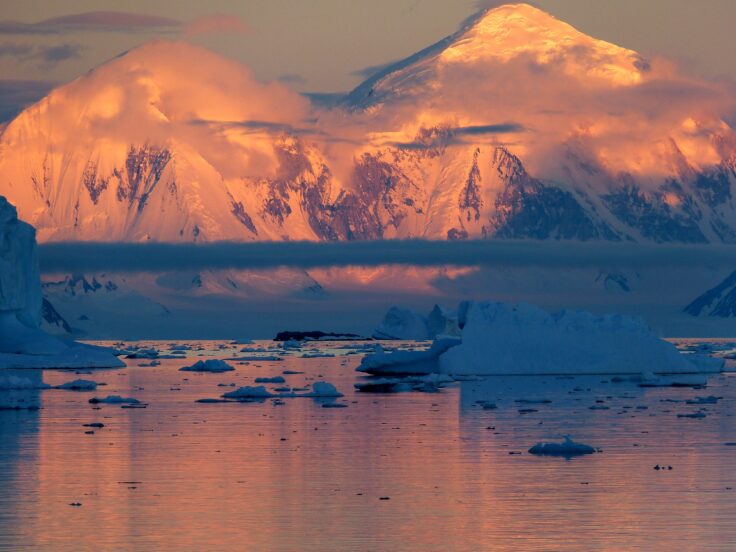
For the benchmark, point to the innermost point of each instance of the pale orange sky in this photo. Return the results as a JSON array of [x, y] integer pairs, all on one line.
[[322, 45]]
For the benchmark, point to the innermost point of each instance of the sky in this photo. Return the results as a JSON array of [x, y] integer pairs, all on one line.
[[322, 45]]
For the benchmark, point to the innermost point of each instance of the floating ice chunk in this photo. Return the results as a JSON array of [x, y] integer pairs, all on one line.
[[567, 448], [408, 362], [247, 392], [114, 399], [180, 347], [323, 389], [143, 353], [694, 415], [243, 342], [276, 379], [255, 358], [78, 385], [712, 399], [318, 355], [676, 381], [500, 339], [213, 365], [291, 344]]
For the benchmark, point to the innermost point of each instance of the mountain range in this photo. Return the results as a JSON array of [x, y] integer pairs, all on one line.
[[516, 126]]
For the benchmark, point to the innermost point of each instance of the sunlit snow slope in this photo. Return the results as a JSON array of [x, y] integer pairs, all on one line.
[[516, 126]]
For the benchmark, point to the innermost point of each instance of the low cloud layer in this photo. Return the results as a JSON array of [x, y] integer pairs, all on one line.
[[136, 257]]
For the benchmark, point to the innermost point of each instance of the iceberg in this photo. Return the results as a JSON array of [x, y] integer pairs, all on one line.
[[409, 325], [502, 339], [403, 324], [322, 389], [408, 362], [22, 342], [213, 365]]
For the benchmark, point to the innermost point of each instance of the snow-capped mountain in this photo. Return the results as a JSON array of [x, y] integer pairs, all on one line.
[[516, 126], [719, 301]]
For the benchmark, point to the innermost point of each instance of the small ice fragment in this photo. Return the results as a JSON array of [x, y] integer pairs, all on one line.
[[248, 392], [114, 399], [276, 379], [323, 389], [695, 415], [704, 400], [78, 385], [567, 448]]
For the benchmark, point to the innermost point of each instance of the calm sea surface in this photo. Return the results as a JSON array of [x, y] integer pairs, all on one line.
[[409, 471]]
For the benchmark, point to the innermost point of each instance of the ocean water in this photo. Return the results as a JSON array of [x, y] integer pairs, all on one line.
[[408, 471]]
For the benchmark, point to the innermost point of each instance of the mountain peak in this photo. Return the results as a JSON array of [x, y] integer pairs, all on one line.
[[514, 30], [512, 35]]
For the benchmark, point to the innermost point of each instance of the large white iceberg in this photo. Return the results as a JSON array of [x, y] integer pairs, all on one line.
[[409, 325], [401, 323], [501, 339], [22, 343]]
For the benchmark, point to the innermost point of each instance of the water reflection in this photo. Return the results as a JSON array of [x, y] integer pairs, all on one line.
[[181, 475]]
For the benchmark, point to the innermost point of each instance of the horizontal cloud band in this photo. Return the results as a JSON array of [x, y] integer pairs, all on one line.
[[160, 257]]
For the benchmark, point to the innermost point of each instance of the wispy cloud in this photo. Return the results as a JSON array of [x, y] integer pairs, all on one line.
[[10, 49], [49, 56], [91, 21], [137, 257], [292, 79]]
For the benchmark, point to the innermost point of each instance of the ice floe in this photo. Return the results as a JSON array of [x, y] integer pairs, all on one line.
[[275, 379], [114, 399], [212, 365], [567, 448], [78, 385]]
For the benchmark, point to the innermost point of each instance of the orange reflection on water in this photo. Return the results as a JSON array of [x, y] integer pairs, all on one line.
[[181, 475]]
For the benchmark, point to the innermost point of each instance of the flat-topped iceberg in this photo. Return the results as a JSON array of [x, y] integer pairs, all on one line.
[[501, 339]]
